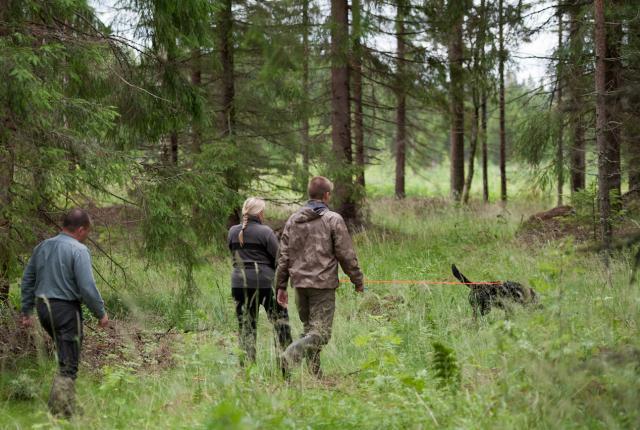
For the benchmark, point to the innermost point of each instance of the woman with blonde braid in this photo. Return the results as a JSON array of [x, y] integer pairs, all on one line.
[[254, 248]]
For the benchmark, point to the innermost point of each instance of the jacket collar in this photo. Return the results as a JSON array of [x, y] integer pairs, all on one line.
[[254, 219]]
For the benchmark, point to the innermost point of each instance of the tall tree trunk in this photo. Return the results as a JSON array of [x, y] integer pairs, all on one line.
[[632, 117], [227, 117], [456, 99], [401, 108], [601, 124], [196, 81], [503, 141], [613, 71], [485, 155], [479, 86], [358, 123], [225, 34], [634, 161], [306, 137], [174, 148], [466, 192], [7, 168], [560, 108], [575, 102], [340, 112]]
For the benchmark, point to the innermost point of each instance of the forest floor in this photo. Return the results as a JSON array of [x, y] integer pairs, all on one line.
[[401, 356]]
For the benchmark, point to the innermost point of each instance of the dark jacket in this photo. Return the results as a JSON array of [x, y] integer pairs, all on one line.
[[314, 241], [254, 263]]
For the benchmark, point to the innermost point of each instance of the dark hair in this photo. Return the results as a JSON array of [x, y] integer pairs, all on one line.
[[318, 186], [75, 219]]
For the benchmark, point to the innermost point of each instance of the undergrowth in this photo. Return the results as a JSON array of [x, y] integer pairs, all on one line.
[[401, 356]]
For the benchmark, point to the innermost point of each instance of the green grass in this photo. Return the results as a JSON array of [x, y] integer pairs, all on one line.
[[575, 363]]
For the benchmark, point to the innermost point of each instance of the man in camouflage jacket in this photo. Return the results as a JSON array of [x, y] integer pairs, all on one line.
[[314, 241]]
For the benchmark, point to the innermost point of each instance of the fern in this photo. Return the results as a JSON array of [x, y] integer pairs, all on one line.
[[445, 366]]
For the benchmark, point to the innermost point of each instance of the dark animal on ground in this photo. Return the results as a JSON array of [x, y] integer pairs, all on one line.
[[499, 294]]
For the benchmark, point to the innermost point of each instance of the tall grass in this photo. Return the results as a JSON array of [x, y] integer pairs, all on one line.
[[574, 363]]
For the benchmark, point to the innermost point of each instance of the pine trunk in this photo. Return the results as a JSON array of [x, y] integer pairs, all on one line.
[[456, 108], [485, 155], [472, 150], [613, 72], [401, 108], [358, 124], [196, 81], [174, 148], [7, 168], [574, 102], [632, 117], [305, 131], [560, 108], [340, 112], [225, 33], [503, 141], [227, 117], [479, 85], [601, 124]]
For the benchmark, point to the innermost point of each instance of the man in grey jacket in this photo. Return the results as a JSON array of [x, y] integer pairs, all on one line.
[[57, 279], [314, 241]]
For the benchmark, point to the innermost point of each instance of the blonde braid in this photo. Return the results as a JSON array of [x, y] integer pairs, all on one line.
[[252, 207], [245, 221]]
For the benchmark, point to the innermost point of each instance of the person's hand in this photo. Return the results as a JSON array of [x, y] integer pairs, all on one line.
[[360, 288], [26, 320], [104, 321], [283, 297]]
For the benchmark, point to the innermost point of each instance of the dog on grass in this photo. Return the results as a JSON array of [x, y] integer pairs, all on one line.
[[499, 294]]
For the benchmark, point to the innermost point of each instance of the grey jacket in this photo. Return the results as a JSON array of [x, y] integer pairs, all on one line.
[[254, 262], [314, 241], [60, 268]]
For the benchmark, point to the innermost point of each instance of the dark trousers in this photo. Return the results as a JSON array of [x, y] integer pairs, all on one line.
[[63, 321], [248, 301]]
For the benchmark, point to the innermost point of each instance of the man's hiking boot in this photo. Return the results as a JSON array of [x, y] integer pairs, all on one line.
[[313, 363], [62, 399], [303, 347]]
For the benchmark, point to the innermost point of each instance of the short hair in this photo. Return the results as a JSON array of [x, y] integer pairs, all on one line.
[[318, 186], [75, 219]]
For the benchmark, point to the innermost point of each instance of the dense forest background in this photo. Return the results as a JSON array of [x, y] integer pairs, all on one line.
[[183, 108], [160, 117]]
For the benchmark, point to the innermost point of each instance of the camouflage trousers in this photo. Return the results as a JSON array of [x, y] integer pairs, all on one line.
[[315, 308]]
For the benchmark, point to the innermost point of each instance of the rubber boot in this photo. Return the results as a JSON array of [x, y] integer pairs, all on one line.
[[313, 362], [248, 346], [62, 399], [296, 351]]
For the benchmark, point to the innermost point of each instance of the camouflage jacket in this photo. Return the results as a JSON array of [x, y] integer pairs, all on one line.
[[312, 244]]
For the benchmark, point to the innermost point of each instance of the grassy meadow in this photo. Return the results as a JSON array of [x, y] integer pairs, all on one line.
[[401, 356]]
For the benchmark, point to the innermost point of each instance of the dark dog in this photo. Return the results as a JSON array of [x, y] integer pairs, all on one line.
[[499, 294]]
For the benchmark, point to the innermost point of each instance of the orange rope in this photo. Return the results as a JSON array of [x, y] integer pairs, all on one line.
[[410, 282]]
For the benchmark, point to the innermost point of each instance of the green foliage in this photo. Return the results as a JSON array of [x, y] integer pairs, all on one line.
[[57, 112], [542, 368], [445, 366], [22, 388]]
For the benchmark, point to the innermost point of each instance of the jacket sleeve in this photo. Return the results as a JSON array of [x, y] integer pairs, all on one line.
[[229, 235], [272, 247], [28, 285], [282, 273], [87, 284], [345, 253]]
